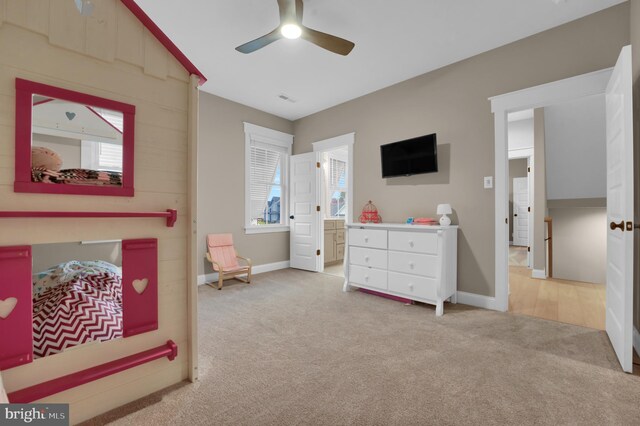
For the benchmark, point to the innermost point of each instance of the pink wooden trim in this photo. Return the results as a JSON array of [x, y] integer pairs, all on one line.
[[42, 390], [24, 91], [387, 296], [163, 39], [170, 214], [139, 310], [16, 330], [103, 119], [42, 102]]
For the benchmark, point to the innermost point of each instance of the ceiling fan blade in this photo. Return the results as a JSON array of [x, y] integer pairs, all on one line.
[[327, 41], [260, 42], [287, 11], [299, 11]]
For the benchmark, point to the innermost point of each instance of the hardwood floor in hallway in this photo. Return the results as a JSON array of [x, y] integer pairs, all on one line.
[[571, 302]]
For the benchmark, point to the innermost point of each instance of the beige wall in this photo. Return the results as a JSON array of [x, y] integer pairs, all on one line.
[[517, 168], [452, 102], [635, 43], [221, 194], [109, 55], [580, 243]]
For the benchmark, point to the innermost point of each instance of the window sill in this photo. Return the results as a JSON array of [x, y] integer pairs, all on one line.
[[266, 229]]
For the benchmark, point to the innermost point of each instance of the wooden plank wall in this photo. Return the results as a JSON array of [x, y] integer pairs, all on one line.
[[111, 55]]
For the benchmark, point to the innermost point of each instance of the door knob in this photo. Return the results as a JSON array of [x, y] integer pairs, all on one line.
[[291, 217], [515, 214], [614, 225]]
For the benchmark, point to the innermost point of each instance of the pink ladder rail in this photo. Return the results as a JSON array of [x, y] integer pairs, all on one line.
[[42, 390], [170, 214]]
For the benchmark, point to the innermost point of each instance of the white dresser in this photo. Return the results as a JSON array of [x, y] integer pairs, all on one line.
[[415, 262]]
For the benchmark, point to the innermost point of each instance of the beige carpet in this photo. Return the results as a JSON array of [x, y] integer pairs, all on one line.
[[292, 349]]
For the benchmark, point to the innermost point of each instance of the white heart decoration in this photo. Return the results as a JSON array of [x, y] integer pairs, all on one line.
[[7, 306], [140, 285]]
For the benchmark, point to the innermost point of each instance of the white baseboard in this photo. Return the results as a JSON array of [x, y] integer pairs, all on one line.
[[257, 269], [636, 340], [539, 274], [477, 300]]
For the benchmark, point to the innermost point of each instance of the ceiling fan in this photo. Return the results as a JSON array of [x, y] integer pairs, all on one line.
[[291, 27]]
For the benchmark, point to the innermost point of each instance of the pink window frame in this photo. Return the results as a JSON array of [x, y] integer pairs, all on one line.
[[25, 89]]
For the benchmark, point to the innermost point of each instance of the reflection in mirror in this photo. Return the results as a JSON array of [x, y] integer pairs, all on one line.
[[73, 143], [69, 142], [77, 294]]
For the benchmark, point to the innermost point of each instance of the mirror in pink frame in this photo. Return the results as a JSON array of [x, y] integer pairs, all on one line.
[[72, 143]]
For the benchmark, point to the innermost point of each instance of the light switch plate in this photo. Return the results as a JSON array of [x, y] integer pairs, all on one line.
[[488, 182]]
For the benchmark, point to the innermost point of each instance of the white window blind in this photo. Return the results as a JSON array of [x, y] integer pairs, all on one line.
[[336, 187], [101, 156], [266, 188], [337, 174], [267, 154], [110, 157]]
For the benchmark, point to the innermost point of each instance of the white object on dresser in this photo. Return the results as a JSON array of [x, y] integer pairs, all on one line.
[[417, 262]]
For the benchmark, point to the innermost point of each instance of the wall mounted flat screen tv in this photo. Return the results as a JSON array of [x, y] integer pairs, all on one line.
[[410, 157]]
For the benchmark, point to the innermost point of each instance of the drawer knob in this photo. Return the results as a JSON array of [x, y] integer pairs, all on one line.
[[411, 286], [366, 277], [366, 259], [366, 239], [411, 243], [411, 265]]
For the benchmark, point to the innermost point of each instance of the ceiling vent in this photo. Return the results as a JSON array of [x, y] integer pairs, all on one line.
[[287, 98]]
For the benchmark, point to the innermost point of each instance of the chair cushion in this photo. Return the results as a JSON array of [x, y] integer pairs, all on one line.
[[219, 240], [221, 250]]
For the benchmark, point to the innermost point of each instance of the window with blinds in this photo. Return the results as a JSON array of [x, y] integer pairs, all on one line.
[[336, 187], [266, 191], [267, 153], [101, 156], [109, 157]]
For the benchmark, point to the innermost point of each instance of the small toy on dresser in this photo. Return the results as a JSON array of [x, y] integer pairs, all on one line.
[[425, 221], [370, 214]]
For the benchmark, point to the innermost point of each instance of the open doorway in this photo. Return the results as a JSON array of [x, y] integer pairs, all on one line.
[[616, 84], [561, 274], [335, 191]]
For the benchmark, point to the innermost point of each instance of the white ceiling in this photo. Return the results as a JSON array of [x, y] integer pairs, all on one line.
[[395, 40]]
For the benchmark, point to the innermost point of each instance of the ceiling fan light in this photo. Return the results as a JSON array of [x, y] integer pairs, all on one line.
[[291, 31]]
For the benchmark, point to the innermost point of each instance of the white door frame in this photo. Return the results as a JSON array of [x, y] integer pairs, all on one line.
[[329, 145], [557, 92]]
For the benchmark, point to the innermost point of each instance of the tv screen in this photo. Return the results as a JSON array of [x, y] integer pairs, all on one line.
[[410, 157]]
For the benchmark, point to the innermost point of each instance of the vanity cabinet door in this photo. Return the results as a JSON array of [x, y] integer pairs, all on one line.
[[139, 286], [16, 306]]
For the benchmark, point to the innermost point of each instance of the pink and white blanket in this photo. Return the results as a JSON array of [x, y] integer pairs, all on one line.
[[74, 303]]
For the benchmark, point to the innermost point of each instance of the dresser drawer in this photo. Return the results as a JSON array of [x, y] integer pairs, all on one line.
[[369, 277], [416, 242], [372, 238], [368, 257], [412, 285], [339, 251], [329, 224], [340, 236], [413, 263]]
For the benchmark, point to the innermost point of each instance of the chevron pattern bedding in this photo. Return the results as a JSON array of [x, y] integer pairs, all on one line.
[[75, 303]]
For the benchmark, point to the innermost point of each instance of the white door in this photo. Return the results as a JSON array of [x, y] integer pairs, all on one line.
[[305, 219], [620, 209], [520, 211]]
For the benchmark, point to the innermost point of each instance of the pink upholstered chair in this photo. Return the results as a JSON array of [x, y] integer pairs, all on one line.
[[224, 258]]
